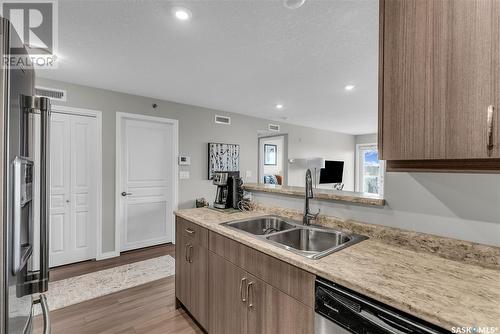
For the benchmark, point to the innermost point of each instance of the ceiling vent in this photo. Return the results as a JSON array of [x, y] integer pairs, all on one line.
[[52, 93], [222, 120], [273, 127]]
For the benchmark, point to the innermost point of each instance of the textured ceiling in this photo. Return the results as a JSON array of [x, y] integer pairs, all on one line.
[[236, 56]]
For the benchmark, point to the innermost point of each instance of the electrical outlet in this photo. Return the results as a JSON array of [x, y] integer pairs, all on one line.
[[248, 173], [184, 174]]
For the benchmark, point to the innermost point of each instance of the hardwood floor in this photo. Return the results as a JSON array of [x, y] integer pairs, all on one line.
[[148, 308]]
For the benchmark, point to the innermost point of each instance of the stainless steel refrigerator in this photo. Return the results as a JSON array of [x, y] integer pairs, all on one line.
[[21, 285]]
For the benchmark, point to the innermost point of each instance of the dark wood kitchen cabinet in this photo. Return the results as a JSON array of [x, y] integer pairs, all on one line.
[[191, 269], [439, 85], [228, 287], [242, 303]]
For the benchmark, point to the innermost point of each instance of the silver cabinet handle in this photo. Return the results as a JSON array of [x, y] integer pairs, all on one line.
[[126, 194], [186, 252], [242, 296], [189, 231], [489, 132], [250, 294], [190, 249]]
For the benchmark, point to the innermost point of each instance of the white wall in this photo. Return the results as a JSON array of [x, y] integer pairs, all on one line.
[[309, 144], [272, 169]]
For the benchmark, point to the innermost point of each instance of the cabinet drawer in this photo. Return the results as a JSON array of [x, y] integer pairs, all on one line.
[[293, 281], [192, 232]]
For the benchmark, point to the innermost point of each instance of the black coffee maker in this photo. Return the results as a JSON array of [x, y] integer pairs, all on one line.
[[227, 189]]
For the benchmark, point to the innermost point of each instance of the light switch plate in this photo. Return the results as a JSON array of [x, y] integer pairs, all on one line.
[[184, 174]]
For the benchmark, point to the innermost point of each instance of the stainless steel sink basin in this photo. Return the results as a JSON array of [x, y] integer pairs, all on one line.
[[313, 241], [310, 240], [261, 225]]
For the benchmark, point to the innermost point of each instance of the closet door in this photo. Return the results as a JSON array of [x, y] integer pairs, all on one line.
[[60, 188], [73, 193], [83, 192]]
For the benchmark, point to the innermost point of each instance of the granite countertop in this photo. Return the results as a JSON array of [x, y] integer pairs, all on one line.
[[323, 194], [444, 292]]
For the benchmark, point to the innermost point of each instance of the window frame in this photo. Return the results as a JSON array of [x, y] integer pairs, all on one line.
[[359, 168]]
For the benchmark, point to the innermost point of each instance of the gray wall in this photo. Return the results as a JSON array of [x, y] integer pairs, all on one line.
[[196, 129], [366, 139], [460, 206]]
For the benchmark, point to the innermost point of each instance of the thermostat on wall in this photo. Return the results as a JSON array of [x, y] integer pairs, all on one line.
[[184, 160]]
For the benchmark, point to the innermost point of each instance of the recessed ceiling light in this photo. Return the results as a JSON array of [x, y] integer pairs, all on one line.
[[349, 87], [294, 4], [279, 106], [182, 14]]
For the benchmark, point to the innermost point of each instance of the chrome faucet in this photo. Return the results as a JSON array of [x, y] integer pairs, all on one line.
[[306, 220]]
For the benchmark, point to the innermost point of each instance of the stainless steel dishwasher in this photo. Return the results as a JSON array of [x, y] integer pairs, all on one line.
[[341, 311]]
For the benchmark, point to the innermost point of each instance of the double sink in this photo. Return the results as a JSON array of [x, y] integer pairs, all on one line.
[[313, 242]]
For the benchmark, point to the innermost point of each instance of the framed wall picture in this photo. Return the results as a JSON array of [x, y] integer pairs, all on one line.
[[223, 158], [270, 154]]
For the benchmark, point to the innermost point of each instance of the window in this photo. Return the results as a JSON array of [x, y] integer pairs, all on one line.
[[370, 170]]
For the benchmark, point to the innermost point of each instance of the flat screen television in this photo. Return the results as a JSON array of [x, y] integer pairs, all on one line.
[[332, 173]]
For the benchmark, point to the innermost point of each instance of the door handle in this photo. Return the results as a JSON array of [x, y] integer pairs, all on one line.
[[489, 131], [242, 297], [126, 194], [250, 294]]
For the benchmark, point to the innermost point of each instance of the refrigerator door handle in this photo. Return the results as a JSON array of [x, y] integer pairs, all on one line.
[[42, 300], [38, 281], [44, 107]]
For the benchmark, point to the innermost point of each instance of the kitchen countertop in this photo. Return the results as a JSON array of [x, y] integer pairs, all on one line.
[[444, 292], [319, 193]]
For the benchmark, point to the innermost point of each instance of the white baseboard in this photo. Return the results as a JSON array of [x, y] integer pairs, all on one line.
[[107, 255]]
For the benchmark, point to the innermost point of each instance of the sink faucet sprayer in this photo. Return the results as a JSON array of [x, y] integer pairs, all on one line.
[[309, 194]]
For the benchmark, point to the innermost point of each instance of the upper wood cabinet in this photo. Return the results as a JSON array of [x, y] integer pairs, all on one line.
[[439, 74]]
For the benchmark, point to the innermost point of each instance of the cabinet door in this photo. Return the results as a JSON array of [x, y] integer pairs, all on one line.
[[271, 311], [227, 310], [437, 78], [495, 152], [470, 85], [182, 270], [199, 284]]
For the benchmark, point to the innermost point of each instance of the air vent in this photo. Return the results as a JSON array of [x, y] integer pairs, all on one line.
[[222, 119], [51, 93], [273, 127]]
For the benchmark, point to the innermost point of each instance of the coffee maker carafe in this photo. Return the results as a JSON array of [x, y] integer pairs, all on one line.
[[226, 195]]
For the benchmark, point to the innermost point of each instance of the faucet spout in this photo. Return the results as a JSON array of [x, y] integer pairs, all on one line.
[[308, 194]]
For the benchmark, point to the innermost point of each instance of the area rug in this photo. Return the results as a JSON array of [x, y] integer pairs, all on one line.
[[99, 283]]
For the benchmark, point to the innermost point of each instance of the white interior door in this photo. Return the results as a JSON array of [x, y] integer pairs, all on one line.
[[72, 189], [145, 192]]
